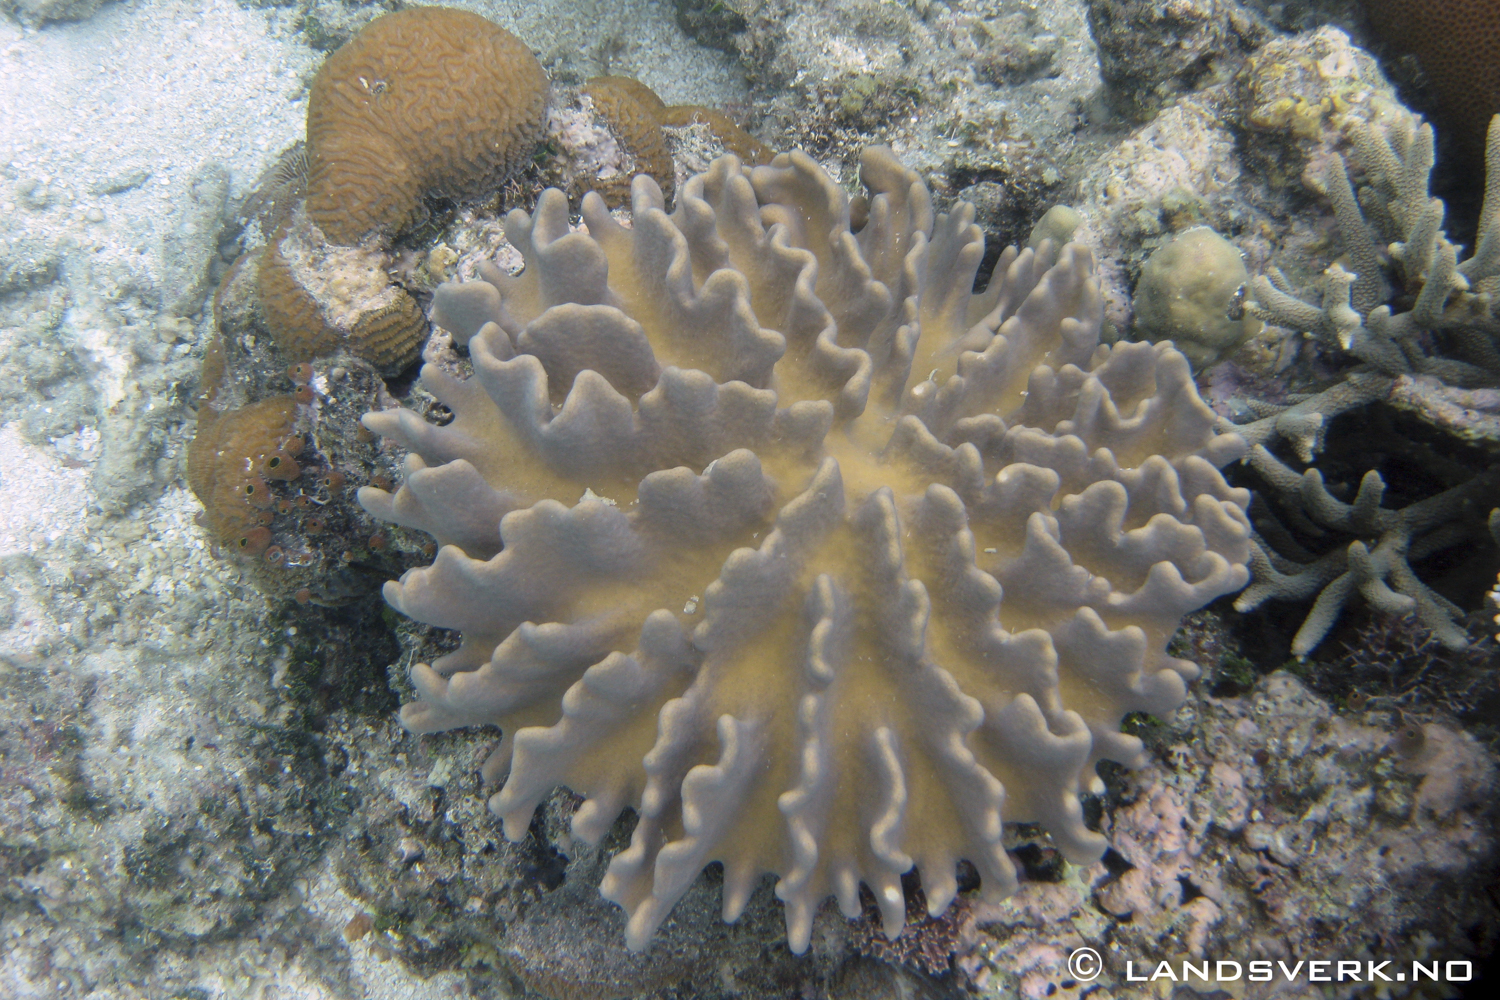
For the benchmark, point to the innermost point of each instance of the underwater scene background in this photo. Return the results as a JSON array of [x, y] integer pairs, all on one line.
[[749, 498]]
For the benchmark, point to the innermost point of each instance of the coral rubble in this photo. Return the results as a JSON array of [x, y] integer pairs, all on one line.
[[1150, 53], [888, 559]]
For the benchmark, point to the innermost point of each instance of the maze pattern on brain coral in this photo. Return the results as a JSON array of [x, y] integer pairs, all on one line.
[[318, 297], [293, 316], [429, 100], [775, 531], [635, 113]]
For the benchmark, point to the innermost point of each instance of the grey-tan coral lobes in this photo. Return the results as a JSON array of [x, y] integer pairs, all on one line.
[[941, 538]]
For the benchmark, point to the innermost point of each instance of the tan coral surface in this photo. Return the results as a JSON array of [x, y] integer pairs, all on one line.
[[636, 115], [317, 297], [429, 100], [823, 563], [633, 112]]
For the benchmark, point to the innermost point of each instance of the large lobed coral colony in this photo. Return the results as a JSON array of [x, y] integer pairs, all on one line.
[[757, 519]]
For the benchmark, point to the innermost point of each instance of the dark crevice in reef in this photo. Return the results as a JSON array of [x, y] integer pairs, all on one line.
[[338, 658]]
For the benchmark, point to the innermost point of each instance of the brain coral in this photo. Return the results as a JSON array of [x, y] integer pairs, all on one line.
[[429, 100], [317, 298], [864, 564], [636, 115], [1457, 43]]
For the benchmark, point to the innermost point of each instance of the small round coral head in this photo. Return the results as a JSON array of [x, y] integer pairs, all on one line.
[[1188, 293]]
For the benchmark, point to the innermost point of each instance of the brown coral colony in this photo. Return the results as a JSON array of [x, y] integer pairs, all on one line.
[[1457, 44], [384, 133], [384, 128], [636, 115]]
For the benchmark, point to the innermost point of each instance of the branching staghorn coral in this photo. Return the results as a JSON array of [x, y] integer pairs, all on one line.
[[865, 564], [1462, 300], [1304, 421], [1380, 571]]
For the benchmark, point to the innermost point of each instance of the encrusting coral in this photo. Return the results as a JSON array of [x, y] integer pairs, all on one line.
[[755, 518], [430, 100], [227, 468]]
